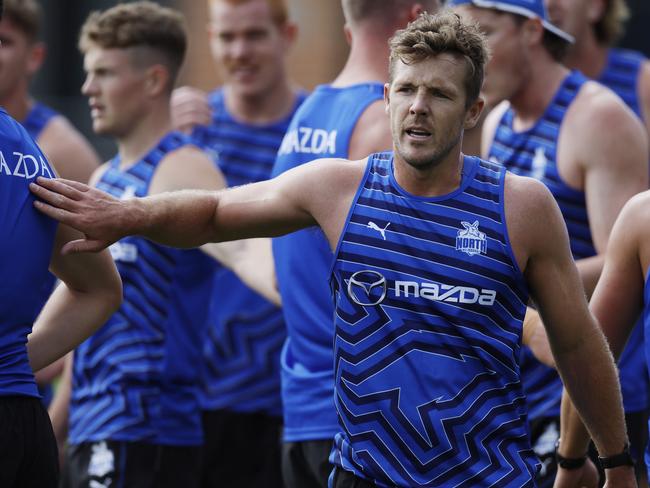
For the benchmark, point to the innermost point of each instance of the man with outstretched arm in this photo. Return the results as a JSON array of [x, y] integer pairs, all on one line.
[[429, 311]]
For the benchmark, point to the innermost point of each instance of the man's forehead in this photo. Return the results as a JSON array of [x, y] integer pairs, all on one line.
[[225, 14]]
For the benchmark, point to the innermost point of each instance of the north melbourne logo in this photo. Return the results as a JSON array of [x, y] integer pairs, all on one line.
[[470, 240]]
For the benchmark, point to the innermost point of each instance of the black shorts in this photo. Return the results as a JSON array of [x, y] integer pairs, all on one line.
[[28, 452], [344, 479], [306, 464], [241, 450], [131, 464]]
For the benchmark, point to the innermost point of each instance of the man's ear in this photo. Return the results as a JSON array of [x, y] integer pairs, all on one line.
[[289, 33], [35, 57], [157, 80], [473, 113], [387, 97]]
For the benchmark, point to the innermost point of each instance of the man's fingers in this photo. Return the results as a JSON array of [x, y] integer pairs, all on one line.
[[83, 245], [80, 187], [58, 214], [57, 186]]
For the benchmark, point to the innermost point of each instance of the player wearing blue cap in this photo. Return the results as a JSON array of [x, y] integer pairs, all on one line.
[[429, 311], [596, 26], [576, 137]]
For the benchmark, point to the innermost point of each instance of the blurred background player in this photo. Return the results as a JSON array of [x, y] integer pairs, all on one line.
[[134, 410], [90, 291], [596, 26], [574, 135], [343, 119], [242, 124], [21, 57]]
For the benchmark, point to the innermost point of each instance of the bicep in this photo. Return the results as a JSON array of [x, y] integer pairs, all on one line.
[[616, 168], [554, 281], [81, 271], [618, 298]]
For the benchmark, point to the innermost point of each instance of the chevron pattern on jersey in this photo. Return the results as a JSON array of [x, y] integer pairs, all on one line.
[[245, 331], [122, 371], [245, 366], [429, 305]]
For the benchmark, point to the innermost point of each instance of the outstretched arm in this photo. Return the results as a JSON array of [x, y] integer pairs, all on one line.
[[318, 193]]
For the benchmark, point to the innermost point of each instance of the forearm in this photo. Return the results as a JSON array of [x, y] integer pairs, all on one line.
[[591, 379], [179, 219], [67, 319], [252, 261], [59, 407]]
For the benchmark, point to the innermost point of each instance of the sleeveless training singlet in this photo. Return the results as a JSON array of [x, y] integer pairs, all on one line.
[[137, 378], [321, 128], [429, 310]]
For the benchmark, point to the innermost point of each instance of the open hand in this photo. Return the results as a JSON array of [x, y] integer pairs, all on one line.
[[101, 217]]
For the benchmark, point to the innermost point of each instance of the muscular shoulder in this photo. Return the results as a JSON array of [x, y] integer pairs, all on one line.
[[490, 127], [600, 128], [186, 168], [69, 152], [532, 215], [598, 111], [372, 132]]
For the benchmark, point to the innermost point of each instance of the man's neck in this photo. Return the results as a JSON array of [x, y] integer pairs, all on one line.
[[132, 147], [438, 180], [588, 56], [537, 93], [17, 103], [273, 105], [367, 62]]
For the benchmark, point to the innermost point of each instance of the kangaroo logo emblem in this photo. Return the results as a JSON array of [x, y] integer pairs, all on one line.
[[373, 226]]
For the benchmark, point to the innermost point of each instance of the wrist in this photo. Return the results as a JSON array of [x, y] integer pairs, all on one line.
[[569, 460], [622, 459]]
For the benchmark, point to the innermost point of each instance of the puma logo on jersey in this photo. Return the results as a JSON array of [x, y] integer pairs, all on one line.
[[309, 141], [373, 226]]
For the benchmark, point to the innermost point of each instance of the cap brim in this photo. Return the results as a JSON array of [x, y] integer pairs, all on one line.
[[524, 12]]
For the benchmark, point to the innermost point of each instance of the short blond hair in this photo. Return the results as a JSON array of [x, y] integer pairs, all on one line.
[[446, 32], [279, 10], [140, 24]]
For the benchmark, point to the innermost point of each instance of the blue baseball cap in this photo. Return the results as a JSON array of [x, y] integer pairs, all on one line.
[[526, 8]]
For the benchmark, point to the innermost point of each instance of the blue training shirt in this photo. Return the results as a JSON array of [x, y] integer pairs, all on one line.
[[429, 309], [321, 128], [245, 331], [38, 117], [621, 75], [26, 240], [138, 378], [533, 153]]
